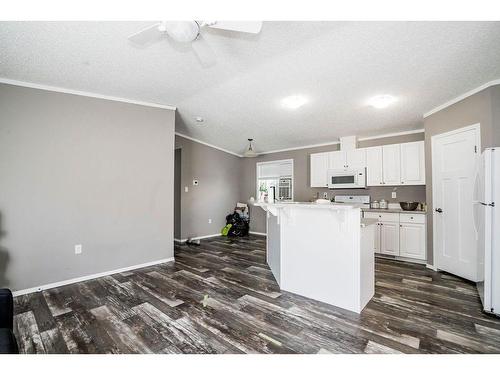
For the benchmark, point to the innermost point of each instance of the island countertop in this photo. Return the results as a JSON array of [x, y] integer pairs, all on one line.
[[323, 251], [337, 206]]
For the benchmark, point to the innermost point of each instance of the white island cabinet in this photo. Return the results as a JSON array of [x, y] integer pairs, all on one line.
[[322, 251]]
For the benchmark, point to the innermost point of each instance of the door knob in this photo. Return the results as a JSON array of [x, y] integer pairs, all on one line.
[[438, 210]]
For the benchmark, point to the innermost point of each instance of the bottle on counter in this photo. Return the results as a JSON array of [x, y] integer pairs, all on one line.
[[383, 204], [375, 204]]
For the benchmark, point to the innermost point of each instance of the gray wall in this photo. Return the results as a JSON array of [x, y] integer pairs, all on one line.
[[218, 190], [302, 189], [177, 193], [79, 170], [478, 108]]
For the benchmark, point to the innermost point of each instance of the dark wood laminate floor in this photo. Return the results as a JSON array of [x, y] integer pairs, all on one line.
[[222, 298]]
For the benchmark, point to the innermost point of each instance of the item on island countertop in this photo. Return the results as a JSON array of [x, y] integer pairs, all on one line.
[[251, 200], [375, 204], [323, 201], [409, 206], [383, 204]]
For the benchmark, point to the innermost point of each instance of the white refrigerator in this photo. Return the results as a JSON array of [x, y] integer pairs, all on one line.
[[487, 225]]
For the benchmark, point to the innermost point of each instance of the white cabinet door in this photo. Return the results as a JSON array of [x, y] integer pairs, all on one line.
[[374, 174], [391, 161], [336, 160], [319, 168], [376, 238], [413, 163], [389, 238], [356, 158], [412, 241]]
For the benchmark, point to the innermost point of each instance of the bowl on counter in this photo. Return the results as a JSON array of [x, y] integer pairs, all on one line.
[[408, 206]]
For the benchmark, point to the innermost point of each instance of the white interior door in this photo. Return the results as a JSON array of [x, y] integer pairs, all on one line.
[[454, 156]]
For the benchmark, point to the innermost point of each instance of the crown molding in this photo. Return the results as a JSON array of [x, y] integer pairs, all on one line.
[[462, 97], [300, 148], [389, 135], [208, 144], [83, 93]]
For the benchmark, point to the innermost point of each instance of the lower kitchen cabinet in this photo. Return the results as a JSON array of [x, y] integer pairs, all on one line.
[[401, 235], [412, 240], [389, 238]]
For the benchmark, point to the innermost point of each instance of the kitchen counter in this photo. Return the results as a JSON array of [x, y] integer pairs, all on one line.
[[393, 210], [322, 251]]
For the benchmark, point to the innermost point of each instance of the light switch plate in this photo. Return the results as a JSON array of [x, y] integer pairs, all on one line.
[[394, 195], [78, 249], [186, 189]]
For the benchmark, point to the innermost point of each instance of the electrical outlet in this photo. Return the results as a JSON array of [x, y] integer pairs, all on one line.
[[78, 249], [325, 195], [186, 189], [209, 221], [195, 182], [394, 195]]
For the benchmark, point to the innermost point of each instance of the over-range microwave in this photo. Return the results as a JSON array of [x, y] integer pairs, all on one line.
[[347, 178]]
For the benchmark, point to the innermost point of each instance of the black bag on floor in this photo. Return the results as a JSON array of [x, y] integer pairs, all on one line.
[[239, 226]]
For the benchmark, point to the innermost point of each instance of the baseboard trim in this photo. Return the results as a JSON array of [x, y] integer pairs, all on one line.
[[258, 233], [197, 238], [430, 266], [89, 277], [401, 259]]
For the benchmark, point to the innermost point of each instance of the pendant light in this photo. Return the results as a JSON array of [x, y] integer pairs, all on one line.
[[250, 153]]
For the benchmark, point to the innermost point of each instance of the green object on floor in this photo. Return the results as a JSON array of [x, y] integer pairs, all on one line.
[[226, 229]]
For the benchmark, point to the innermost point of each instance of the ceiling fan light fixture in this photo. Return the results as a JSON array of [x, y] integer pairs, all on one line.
[[250, 153], [182, 31]]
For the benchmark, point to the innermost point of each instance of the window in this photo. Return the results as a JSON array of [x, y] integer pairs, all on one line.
[[277, 174]]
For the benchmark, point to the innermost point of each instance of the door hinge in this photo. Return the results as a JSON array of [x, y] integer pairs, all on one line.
[[475, 149]]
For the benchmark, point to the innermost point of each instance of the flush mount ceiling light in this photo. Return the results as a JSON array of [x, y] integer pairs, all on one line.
[[250, 153], [381, 101], [293, 101], [199, 120]]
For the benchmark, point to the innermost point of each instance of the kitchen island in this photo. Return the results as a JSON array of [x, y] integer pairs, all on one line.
[[322, 251]]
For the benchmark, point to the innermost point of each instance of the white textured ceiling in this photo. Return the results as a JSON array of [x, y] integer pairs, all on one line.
[[337, 65]]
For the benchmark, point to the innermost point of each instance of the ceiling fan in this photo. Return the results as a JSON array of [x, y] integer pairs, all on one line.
[[190, 32]]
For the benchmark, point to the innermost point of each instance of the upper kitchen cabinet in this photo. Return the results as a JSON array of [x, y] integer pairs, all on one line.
[[397, 164], [356, 158], [351, 159], [336, 160], [413, 163], [319, 168], [389, 165], [391, 162], [374, 168]]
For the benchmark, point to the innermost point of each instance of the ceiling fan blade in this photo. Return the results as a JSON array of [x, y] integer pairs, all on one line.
[[252, 27], [203, 52], [146, 36]]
